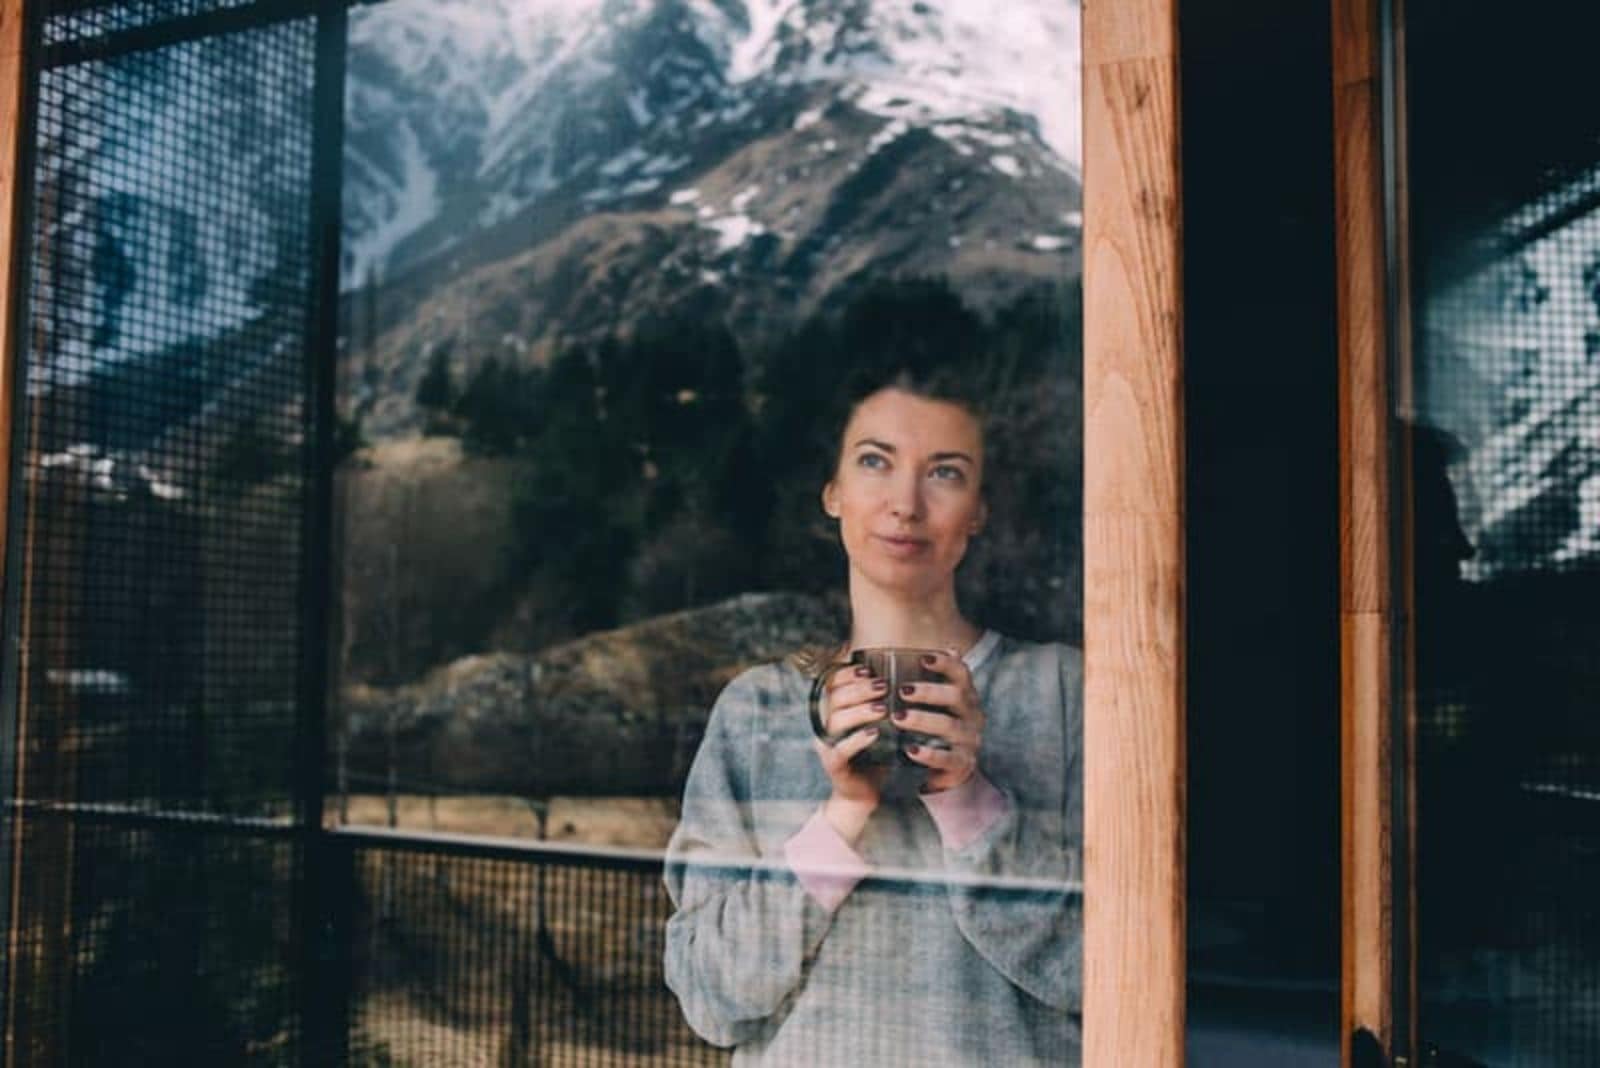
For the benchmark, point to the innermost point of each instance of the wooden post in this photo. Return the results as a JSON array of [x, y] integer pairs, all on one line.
[[1134, 759], [1363, 247], [12, 88]]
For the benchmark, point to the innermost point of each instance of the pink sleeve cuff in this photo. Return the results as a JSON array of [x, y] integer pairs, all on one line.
[[823, 862], [964, 813]]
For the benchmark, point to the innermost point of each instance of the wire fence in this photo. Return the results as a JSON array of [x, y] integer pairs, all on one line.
[[469, 952]]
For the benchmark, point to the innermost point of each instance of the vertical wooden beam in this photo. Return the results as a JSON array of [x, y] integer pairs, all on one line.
[[11, 90], [1134, 757], [1365, 525], [12, 87]]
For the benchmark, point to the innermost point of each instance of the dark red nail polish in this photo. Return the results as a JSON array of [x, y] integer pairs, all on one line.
[[913, 749], [880, 685], [880, 707], [908, 689], [928, 659], [862, 672], [899, 713]]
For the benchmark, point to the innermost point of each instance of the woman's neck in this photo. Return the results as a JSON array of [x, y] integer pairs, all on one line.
[[888, 617]]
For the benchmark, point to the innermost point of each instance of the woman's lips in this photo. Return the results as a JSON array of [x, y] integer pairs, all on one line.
[[903, 546]]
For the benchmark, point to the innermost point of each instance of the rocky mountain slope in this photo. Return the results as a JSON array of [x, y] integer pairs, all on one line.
[[524, 175]]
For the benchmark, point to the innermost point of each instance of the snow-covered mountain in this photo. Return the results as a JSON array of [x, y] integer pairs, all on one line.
[[463, 113], [521, 174]]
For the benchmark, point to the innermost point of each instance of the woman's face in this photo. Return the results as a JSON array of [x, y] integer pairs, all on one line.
[[907, 492]]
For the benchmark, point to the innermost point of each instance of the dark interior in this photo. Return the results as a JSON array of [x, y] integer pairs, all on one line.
[[1260, 358]]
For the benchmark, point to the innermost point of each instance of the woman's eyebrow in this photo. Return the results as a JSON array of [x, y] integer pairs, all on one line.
[[875, 443], [954, 456]]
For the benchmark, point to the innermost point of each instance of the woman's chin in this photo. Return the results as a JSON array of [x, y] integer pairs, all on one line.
[[911, 577]]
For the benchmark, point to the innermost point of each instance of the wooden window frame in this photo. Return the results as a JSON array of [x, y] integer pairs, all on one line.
[[1133, 540], [1377, 714]]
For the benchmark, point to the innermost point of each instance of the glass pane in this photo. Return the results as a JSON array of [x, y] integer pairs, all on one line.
[[1504, 456], [155, 625], [1261, 394], [612, 272]]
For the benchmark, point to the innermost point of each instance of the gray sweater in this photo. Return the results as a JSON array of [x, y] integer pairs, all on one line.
[[942, 955]]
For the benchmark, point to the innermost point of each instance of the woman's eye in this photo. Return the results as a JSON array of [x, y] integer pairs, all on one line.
[[872, 460], [949, 473]]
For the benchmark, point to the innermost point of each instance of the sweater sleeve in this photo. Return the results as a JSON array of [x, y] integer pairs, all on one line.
[[1018, 891], [744, 928]]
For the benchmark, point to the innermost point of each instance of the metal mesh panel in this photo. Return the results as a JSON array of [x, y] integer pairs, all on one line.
[[1504, 451], [77, 19], [465, 955], [165, 457], [162, 945], [157, 542]]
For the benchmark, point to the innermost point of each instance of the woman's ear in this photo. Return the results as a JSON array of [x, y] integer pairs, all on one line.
[[830, 499]]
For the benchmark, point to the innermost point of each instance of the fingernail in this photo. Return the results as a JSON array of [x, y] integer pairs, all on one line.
[[908, 689], [862, 672], [928, 659], [880, 685], [898, 713], [879, 707], [913, 749]]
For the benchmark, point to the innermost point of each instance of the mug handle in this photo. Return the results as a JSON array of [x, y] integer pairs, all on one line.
[[817, 686]]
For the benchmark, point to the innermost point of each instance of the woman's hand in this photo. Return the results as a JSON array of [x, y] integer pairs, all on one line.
[[855, 699], [961, 729]]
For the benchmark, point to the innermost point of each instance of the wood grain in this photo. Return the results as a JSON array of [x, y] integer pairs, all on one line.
[[11, 96], [1366, 632], [1134, 762]]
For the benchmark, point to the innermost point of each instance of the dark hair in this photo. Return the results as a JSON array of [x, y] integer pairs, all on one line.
[[946, 382]]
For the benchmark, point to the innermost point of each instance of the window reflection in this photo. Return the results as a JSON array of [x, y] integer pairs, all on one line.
[[608, 271], [1507, 544]]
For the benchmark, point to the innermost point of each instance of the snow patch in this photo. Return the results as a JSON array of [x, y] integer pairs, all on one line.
[[1047, 243], [664, 165], [887, 136], [756, 51], [415, 202], [807, 119], [733, 230], [638, 107], [625, 162], [683, 197], [1006, 165]]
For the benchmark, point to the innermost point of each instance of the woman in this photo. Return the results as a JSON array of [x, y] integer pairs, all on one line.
[[831, 913]]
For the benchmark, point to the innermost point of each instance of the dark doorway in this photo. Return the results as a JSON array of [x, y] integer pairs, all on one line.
[[1263, 564]]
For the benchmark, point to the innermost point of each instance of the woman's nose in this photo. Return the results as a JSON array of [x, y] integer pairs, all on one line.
[[906, 502]]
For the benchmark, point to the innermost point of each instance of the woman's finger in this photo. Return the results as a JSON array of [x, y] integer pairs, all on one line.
[[947, 663], [848, 719], [936, 724], [959, 701], [930, 756], [855, 691], [942, 694], [853, 743]]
